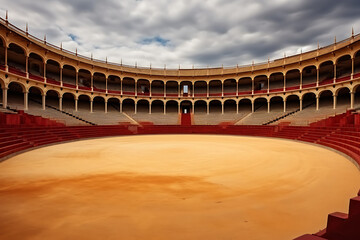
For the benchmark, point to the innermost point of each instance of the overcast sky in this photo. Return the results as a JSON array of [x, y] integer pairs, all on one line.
[[186, 32]]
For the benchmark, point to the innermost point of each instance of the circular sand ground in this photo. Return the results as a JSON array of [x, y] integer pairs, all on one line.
[[173, 187]]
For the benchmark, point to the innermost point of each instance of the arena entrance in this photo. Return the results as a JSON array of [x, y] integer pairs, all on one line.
[[186, 107]]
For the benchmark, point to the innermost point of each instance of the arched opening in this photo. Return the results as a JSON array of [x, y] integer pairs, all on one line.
[[245, 86], [52, 71], [98, 104], [84, 79], [52, 98], [343, 98], [35, 98], [357, 63], [230, 106], [326, 99], [15, 95], [309, 101], [215, 88], [200, 89], [230, 87], [157, 88], [292, 103], [114, 84], [186, 107], [84, 103], [157, 106], [277, 104], [215, 106], [326, 73], [128, 106], [309, 76], [186, 89], [68, 102], [276, 82], [260, 84], [36, 66], [128, 85], [16, 59], [69, 76], [343, 66], [357, 97], [113, 105], [245, 106], [142, 106], [2, 54], [260, 105], [293, 79], [143, 87], [200, 107], [172, 107], [172, 89], [99, 82]]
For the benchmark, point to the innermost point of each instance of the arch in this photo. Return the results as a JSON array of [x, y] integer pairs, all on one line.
[[52, 70], [52, 98], [157, 106], [292, 102], [16, 95], [276, 81], [84, 79], [172, 88], [99, 81], [292, 79], [245, 85], [230, 106], [84, 103], [276, 104], [309, 100], [230, 87], [157, 88], [99, 104], [113, 105], [215, 106], [172, 107], [200, 89], [16, 58], [343, 98], [142, 106], [260, 84], [35, 97], [215, 88], [326, 99], [245, 105], [343, 66], [128, 86], [260, 105], [36, 65], [114, 83], [69, 75], [128, 105], [309, 76], [143, 87], [68, 101], [186, 88], [200, 106], [186, 106], [326, 72]]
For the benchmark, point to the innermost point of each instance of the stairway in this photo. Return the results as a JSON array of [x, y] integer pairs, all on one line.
[[186, 119]]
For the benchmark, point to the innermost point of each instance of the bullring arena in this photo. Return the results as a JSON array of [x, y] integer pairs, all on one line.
[[92, 149]]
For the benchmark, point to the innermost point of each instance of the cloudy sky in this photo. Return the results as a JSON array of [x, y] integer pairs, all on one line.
[[186, 32]]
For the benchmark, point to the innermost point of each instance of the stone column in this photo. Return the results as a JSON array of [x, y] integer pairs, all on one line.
[[352, 100], [5, 89], [91, 105], [334, 101], [26, 100], [76, 103], [43, 101], [317, 102], [106, 106], [60, 103]]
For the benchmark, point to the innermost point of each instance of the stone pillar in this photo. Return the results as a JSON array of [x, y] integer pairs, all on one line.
[[61, 76], [60, 103], [106, 106], [237, 107], [252, 106], [43, 101], [317, 76], [27, 65], [149, 108], [136, 89], [164, 89], [135, 107], [179, 90], [317, 102], [106, 84], [284, 82], [301, 79], [6, 58], [92, 81], [222, 88], [5, 89], [237, 88], [26, 100], [335, 73], [284, 105], [352, 67], [301, 104], [352, 100], [77, 79], [268, 103], [268, 87], [193, 90], [164, 108], [222, 108], [45, 71], [121, 87], [334, 101], [207, 89], [91, 105], [120, 107], [76, 103], [252, 86], [207, 108], [179, 108]]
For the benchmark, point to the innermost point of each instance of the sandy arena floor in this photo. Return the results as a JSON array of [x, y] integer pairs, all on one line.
[[173, 187]]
